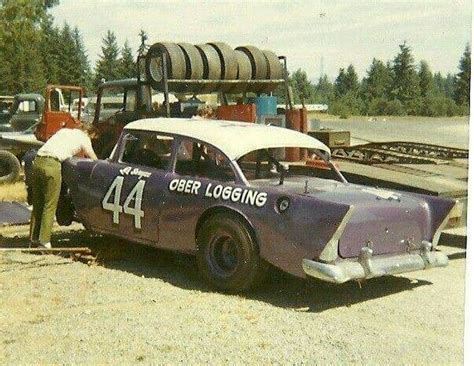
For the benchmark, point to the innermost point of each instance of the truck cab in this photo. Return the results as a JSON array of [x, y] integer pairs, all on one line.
[[58, 110], [117, 103], [27, 111]]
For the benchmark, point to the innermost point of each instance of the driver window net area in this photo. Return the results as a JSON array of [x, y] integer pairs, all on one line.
[[147, 149], [201, 160]]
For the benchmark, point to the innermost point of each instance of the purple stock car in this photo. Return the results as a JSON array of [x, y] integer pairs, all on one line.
[[221, 190]]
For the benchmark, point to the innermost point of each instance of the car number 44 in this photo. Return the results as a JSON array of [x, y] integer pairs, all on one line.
[[114, 193]]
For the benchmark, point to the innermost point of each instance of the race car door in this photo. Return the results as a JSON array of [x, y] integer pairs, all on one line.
[[131, 189]]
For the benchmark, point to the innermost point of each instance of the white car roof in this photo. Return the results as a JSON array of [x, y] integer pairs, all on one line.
[[235, 139]]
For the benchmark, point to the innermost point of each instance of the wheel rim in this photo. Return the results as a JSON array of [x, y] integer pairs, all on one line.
[[156, 69], [223, 256]]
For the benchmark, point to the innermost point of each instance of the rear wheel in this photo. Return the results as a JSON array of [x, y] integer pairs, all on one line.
[[9, 167], [228, 255]]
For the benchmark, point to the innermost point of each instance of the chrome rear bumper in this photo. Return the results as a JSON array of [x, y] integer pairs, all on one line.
[[367, 266]]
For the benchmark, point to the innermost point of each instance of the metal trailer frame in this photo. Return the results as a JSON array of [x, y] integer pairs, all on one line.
[[399, 152], [168, 84]]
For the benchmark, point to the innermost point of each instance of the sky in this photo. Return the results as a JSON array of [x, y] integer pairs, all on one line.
[[316, 36]]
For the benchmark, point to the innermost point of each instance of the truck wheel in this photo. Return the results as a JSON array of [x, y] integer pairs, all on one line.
[[245, 72], [175, 60], [229, 64], [227, 255], [257, 60], [9, 167], [274, 71]]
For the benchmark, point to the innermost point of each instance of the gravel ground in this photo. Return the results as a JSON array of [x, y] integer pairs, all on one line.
[[137, 304]]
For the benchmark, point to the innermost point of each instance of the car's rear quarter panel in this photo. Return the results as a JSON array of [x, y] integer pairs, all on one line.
[[284, 239]]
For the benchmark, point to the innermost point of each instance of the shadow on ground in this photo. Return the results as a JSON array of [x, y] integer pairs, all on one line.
[[279, 289]]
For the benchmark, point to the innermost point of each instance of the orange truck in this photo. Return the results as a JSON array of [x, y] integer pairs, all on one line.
[[58, 114]]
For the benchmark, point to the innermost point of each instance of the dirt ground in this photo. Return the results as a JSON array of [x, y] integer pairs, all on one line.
[[137, 304]]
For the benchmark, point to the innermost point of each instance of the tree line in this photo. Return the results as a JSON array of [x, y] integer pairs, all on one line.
[[34, 52], [395, 87]]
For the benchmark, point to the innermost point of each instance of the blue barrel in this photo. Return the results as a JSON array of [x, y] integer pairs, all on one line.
[[266, 105]]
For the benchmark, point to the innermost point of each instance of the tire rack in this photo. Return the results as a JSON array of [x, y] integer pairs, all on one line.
[[168, 85], [399, 152]]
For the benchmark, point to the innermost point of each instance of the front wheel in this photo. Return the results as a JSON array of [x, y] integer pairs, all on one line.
[[228, 255]]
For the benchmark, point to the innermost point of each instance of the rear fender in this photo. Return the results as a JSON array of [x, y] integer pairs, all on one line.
[[302, 231], [441, 210]]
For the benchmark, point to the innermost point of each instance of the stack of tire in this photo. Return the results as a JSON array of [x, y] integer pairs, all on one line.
[[213, 61]]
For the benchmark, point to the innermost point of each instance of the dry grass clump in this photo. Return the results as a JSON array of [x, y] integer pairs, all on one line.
[[13, 192]]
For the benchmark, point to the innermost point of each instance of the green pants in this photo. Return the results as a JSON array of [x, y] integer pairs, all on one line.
[[46, 187]]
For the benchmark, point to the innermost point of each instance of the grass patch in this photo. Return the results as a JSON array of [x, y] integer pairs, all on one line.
[[13, 192]]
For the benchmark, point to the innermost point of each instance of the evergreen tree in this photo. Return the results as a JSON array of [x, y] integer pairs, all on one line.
[[426, 80], [108, 65], [405, 85], [21, 65], [302, 86], [438, 84], [50, 50], [347, 82], [324, 91], [69, 72], [128, 67], [82, 61], [377, 82], [340, 83], [463, 78], [351, 80], [143, 38], [449, 82]]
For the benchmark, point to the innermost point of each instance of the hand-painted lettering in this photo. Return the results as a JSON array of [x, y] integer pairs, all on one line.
[[219, 192], [195, 187], [226, 192], [184, 186]]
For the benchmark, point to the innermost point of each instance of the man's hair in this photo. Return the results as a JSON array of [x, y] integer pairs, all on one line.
[[88, 129]]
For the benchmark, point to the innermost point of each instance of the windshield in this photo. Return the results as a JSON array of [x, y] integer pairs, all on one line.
[[271, 165]]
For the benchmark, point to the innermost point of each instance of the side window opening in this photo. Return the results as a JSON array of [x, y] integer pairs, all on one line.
[[202, 160], [55, 101], [147, 149], [130, 100]]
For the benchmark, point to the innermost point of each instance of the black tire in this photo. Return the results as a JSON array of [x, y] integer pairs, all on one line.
[[194, 63], [212, 66], [9, 167], [229, 65], [228, 256], [274, 71], [245, 72], [65, 210], [175, 60], [257, 60]]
